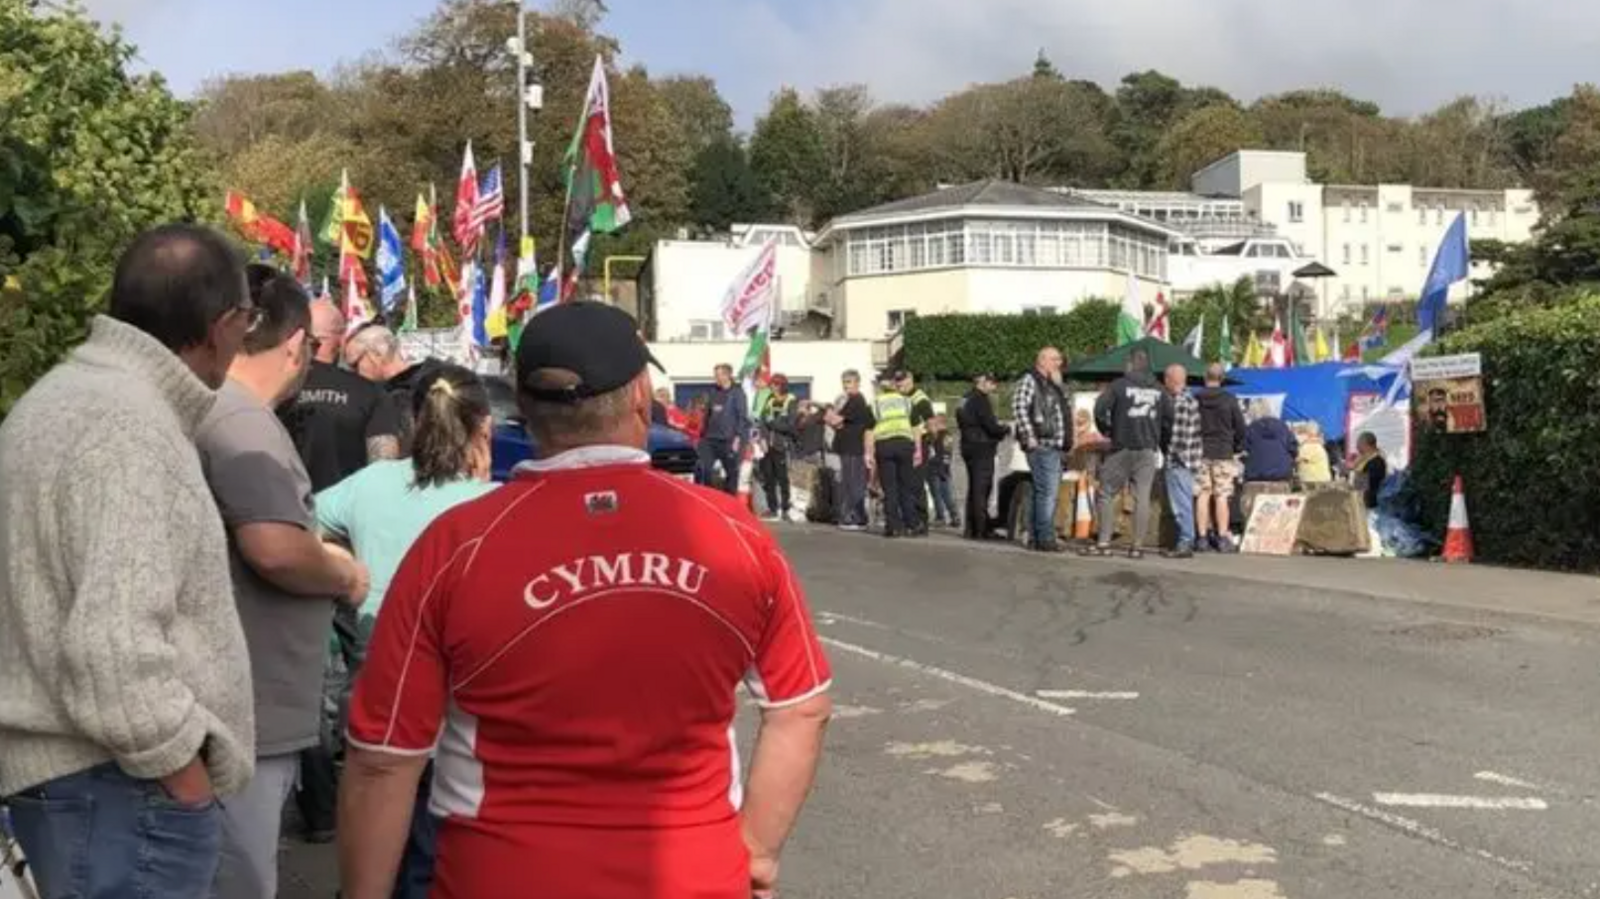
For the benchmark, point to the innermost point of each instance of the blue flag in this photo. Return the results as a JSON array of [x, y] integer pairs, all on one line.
[[1450, 265], [391, 264], [480, 307]]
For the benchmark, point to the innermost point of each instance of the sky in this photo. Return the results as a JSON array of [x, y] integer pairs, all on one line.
[[1408, 55]]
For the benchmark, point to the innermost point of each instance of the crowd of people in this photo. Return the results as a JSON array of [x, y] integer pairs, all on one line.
[[890, 460], [223, 480]]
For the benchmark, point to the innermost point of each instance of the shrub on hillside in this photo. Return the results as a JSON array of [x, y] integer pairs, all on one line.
[[958, 346], [1533, 478]]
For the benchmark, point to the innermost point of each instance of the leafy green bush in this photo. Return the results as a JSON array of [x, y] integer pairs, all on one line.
[[1530, 478], [958, 346], [89, 156]]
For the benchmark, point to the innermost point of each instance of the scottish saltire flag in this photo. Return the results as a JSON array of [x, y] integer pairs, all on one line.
[[391, 264], [549, 291], [1450, 264]]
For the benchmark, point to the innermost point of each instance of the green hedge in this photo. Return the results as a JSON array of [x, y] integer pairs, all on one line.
[[1533, 478], [958, 346]]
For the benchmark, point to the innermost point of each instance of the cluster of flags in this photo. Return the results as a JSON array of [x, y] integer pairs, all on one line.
[[1297, 346], [488, 307]]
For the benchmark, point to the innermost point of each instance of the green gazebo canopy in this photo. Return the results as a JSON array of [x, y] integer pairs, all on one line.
[[1114, 364]]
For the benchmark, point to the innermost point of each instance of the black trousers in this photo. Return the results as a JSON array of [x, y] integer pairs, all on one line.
[[897, 475], [980, 480], [775, 480]]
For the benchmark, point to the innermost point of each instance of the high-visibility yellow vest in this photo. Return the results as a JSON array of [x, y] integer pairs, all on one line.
[[893, 412]]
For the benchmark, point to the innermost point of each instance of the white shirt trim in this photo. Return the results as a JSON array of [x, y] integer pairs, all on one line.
[[597, 456]]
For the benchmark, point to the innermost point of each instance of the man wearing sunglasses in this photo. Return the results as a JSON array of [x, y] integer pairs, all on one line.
[[284, 578], [127, 680]]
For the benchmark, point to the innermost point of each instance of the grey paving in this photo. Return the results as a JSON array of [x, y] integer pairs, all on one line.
[[1275, 700]]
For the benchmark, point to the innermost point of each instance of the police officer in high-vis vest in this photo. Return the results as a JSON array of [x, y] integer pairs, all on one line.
[[896, 454], [921, 414], [778, 422]]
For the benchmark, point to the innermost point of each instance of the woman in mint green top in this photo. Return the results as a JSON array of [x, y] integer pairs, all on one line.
[[383, 508]]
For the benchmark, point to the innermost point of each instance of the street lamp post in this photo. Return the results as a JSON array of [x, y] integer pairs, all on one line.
[[530, 97]]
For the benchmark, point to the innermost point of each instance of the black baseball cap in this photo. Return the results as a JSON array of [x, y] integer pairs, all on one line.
[[598, 343]]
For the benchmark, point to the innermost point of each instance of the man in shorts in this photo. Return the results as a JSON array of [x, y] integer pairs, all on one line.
[[1222, 428]]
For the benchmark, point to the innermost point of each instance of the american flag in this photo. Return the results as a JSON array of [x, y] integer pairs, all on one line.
[[491, 204]]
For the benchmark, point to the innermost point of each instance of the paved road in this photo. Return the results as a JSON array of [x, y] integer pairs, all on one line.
[[1209, 736]]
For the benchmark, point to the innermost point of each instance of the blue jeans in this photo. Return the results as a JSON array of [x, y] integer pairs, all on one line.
[[415, 877], [1045, 464], [944, 501], [101, 834], [1180, 494]]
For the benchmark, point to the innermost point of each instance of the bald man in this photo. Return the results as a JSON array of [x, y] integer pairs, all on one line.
[[374, 353]]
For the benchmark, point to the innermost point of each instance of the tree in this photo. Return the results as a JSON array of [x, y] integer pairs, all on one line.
[[1044, 68], [724, 188], [586, 14], [1346, 141], [1148, 104], [237, 111], [786, 152], [1202, 137], [1035, 130], [89, 156], [698, 108]]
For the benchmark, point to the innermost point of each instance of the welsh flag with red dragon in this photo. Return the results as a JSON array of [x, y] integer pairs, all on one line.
[[596, 203]]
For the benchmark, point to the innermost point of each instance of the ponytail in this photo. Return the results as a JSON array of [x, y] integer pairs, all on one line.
[[451, 406]]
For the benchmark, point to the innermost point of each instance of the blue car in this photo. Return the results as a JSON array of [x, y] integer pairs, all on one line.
[[671, 451]]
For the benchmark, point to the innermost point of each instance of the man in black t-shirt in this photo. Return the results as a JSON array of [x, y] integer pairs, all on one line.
[[851, 418], [339, 421]]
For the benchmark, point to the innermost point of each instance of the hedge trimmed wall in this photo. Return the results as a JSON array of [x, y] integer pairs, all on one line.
[[958, 346], [1533, 478]]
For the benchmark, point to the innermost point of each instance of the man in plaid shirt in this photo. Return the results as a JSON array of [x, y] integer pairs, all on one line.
[[1183, 458], [1039, 408]]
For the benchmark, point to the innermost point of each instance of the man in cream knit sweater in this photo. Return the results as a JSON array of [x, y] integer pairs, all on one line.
[[126, 703]]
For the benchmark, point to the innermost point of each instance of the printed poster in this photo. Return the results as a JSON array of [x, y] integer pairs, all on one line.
[[1447, 393], [1274, 524]]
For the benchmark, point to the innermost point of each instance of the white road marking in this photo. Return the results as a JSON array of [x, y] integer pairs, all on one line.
[[951, 676], [1086, 694], [1480, 803], [971, 772], [1420, 831], [1504, 781], [854, 711], [1112, 819], [937, 749], [1243, 889], [1060, 828], [1190, 853], [1333, 839]]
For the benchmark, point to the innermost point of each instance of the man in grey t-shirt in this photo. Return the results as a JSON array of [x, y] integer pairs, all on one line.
[[284, 578]]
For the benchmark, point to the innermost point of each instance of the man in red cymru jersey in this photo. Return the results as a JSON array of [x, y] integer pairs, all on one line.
[[569, 648]]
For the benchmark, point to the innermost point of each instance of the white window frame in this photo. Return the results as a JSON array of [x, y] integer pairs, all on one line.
[[707, 329], [897, 318], [1297, 212]]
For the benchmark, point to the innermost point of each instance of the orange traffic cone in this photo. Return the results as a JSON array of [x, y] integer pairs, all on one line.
[[1082, 517], [1458, 534]]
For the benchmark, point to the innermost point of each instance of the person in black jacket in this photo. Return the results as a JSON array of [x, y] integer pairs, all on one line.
[[981, 433], [1136, 413], [1222, 427], [778, 420]]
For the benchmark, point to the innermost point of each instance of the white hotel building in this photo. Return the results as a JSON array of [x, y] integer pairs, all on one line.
[[1379, 239]]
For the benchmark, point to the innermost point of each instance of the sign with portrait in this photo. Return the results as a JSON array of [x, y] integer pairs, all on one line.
[[1447, 393], [1274, 524]]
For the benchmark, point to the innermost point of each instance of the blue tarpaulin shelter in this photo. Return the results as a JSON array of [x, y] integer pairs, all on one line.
[[1312, 392]]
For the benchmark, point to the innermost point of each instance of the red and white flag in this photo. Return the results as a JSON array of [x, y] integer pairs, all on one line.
[[468, 227], [750, 300], [1278, 351], [1160, 327]]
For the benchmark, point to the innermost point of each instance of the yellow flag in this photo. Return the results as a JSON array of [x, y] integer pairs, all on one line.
[[1254, 352], [1320, 351]]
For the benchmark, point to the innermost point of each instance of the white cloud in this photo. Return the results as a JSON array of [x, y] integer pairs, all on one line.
[[1409, 55]]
